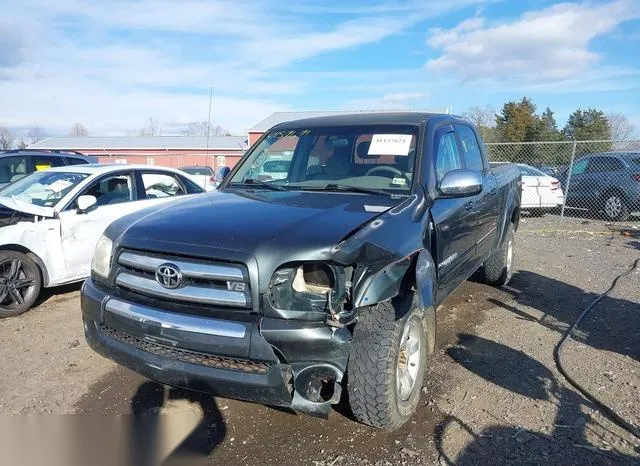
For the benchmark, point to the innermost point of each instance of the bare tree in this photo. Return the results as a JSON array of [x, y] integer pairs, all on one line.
[[22, 145], [485, 120], [36, 134], [620, 126], [6, 138], [151, 128], [199, 128], [78, 129]]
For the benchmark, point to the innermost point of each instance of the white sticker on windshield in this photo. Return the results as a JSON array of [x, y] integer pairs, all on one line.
[[59, 185], [390, 144]]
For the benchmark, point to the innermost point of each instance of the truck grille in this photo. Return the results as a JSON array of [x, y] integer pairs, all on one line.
[[191, 280], [193, 357]]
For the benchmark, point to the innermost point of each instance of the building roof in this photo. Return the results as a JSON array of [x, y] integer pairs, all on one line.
[[102, 168], [143, 142], [365, 118], [280, 117]]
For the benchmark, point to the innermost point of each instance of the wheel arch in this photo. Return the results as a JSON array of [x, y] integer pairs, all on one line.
[[31, 255]]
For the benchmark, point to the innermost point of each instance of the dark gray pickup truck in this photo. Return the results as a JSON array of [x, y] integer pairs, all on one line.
[[287, 291]]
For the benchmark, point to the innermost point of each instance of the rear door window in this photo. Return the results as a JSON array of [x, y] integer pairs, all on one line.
[[579, 167], [12, 168], [43, 162], [158, 185], [604, 165], [76, 161]]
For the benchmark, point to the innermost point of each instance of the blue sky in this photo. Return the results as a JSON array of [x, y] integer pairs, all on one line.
[[112, 64]]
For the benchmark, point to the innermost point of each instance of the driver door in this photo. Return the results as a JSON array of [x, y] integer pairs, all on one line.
[[116, 196]]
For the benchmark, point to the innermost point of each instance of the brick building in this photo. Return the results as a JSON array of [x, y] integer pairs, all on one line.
[[169, 151]]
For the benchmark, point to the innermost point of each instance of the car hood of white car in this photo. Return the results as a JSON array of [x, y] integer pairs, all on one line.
[[27, 207]]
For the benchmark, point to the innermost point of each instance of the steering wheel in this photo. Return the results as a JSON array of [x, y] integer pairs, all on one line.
[[386, 168]]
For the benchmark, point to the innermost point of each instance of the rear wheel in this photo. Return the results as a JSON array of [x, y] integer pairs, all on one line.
[[387, 363], [20, 283], [615, 208], [498, 269]]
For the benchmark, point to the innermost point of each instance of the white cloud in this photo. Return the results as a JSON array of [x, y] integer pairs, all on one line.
[[545, 45], [112, 64]]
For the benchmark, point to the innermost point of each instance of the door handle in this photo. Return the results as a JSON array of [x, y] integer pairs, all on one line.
[[469, 205], [494, 191]]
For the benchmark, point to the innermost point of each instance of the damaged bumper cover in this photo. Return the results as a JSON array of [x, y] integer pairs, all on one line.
[[287, 363]]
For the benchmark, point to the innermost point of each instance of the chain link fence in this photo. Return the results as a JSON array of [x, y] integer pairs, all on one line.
[[578, 178]]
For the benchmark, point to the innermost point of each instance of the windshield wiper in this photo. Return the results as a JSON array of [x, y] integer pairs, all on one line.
[[346, 188], [257, 182]]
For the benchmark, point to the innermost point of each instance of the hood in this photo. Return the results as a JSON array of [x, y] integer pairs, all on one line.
[[9, 205], [268, 225]]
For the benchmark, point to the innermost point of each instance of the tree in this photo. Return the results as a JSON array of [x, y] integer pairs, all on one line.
[[22, 145], [6, 138], [548, 127], [589, 125], [199, 128], [517, 121], [78, 129], [620, 127], [484, 118], [36, 134], [151, 128]]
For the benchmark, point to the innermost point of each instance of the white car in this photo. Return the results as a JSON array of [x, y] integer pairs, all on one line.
[[540, 192], [202, 175], [50, 222]]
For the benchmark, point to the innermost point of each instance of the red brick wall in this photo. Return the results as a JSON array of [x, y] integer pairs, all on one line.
[[174, 159], [253, 137]]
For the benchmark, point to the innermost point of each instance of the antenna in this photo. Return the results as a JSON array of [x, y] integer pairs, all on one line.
[[209, 119]]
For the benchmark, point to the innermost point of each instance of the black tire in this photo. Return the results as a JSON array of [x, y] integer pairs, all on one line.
[[20, 283], [614, 207], [498, 269], [373, 371]]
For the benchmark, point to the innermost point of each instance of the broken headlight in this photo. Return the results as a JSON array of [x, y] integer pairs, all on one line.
[[101, 262], [315, 287]]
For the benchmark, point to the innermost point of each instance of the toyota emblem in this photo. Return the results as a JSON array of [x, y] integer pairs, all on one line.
[[169, 276]]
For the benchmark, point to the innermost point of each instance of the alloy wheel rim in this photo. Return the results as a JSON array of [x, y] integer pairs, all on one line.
[[613, 206], [16, 285], [409, 356]]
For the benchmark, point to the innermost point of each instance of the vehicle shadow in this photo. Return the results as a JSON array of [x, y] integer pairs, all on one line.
[[57, 293], [521, 376], [184, 443], [612, 326]]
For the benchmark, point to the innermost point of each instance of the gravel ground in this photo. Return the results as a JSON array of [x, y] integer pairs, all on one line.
[[492, 392]]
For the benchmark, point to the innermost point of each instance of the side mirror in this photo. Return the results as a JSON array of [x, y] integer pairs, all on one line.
[[85, 203], [461, 183]]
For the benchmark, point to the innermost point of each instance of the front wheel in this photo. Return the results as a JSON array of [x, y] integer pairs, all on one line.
[[20, 283], [498, 269], [387, 363]]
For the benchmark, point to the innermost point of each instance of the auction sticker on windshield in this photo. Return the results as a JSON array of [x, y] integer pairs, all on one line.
[[390, 144]]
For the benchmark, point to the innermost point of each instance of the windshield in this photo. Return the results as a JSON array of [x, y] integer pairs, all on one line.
[[378, 158], [198, 170], [44, 188]]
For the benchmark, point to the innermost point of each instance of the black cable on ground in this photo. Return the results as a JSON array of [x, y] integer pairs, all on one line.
[[557, 355]]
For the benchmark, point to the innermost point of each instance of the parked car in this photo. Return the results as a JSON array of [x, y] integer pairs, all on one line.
[[337, 268], [16, 164], [50, 222], [608, 182], [202, 175], [272, 166], [541, 193]]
